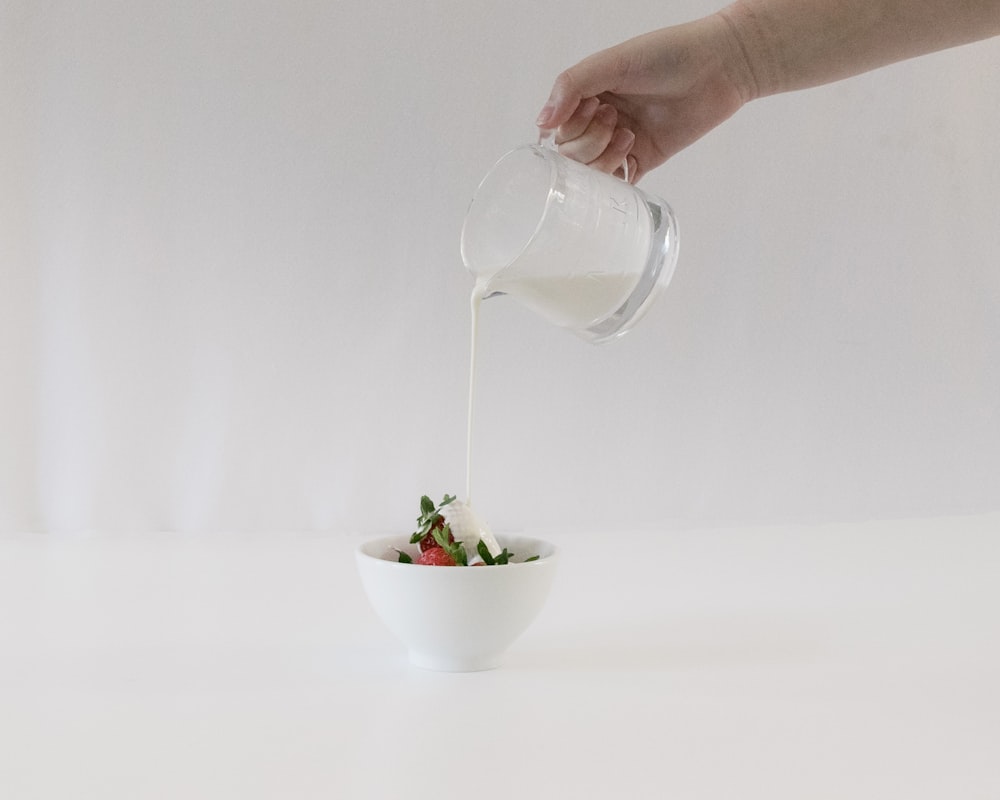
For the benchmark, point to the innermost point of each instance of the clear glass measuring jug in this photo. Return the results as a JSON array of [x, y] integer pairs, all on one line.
[[585, 250]]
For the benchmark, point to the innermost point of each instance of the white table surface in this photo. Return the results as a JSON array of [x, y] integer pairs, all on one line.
[[839, 661]]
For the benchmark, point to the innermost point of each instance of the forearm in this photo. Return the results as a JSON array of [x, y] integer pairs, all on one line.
[[796, 44]]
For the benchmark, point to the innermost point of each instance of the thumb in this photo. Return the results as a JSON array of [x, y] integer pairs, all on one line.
[[598, 73]]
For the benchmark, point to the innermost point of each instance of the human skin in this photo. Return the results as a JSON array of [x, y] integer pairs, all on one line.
[[646, 99]]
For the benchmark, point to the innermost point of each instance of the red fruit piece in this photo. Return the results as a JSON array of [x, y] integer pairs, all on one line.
[[428, 542], [436, 557]]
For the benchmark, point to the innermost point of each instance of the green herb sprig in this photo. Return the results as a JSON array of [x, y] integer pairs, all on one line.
[[431, 521], [430, 515], [504, 557]]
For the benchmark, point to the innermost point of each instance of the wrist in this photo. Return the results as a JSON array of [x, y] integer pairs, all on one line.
[[753, 66]]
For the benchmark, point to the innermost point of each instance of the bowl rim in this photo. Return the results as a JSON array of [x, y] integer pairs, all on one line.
[[403, 539]]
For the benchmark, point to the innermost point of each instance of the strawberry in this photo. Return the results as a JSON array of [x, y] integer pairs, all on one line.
[[433, 532], [436, 557], [430, 519], [428, 542]]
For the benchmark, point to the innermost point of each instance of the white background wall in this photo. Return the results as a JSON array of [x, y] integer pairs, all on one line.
[[231, 296]]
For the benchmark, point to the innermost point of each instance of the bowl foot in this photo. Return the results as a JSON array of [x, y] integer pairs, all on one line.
[[439, 663]]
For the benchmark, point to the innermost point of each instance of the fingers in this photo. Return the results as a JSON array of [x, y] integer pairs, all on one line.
[[615, 153], [586, 129], [577, 124], [564, 100], [592, 76], [592, 136]]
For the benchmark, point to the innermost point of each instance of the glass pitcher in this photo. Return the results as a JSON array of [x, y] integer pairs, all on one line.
[[585, 250]]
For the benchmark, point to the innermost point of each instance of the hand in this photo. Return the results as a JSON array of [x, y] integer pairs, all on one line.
[[652, 96], [648, 98]]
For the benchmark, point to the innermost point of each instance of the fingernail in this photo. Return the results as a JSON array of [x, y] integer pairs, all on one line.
[[624, 138], [545, 115]]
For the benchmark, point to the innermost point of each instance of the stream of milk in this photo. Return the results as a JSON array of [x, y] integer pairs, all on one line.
[[569, 301]]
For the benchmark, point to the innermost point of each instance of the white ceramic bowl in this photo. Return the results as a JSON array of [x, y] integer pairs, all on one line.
[[456, 619]]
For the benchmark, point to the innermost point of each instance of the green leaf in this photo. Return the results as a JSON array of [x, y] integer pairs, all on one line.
[[484, 553], [448, 498], [428, 515], [533, 558], [404, 558], [504, 557], [441, 536], [455, 549]]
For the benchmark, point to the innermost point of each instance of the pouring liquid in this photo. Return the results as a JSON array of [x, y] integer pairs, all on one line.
[[568, 301], [478, 293]]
